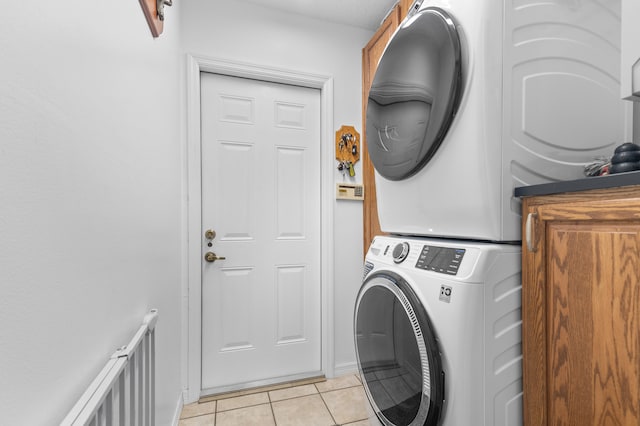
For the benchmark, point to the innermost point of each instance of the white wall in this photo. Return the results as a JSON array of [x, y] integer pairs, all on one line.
[[90, 199], [251, 34]]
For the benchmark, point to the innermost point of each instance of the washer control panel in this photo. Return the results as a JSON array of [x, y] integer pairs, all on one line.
[[445, 260]]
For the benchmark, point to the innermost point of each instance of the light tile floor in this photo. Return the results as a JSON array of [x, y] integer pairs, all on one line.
[[340, 401]]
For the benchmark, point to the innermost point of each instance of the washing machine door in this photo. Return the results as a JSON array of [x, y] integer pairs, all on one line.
[[397, 352], [415, 94]]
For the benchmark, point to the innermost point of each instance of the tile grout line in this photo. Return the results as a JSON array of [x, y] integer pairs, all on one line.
[[273, 414], [271, 401], [360, 385], [326, 406], [201, 415], [244, 406]]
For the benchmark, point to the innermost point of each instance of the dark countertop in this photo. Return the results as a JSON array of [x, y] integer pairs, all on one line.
[[585, 184]]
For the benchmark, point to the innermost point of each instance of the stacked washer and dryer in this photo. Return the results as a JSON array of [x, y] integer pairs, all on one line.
[[470, 99]]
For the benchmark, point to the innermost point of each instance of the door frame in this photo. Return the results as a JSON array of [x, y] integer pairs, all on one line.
[[192, 315]]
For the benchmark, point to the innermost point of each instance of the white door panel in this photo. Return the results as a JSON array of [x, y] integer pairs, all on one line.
[[261, 194]]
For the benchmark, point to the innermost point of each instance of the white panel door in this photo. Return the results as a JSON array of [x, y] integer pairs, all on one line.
[[261, 195]]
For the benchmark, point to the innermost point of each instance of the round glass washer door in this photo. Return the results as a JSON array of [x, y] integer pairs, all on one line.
[[415, 94], [398, 355]]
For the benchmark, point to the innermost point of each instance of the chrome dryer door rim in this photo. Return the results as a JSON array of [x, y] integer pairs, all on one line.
[[397, 352]]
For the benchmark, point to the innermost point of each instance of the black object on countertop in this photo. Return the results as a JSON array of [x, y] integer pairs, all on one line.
[[626, 158]]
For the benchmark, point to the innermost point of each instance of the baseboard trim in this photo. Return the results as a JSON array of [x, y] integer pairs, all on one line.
[[258, 389], [345, 368], [178, 412]]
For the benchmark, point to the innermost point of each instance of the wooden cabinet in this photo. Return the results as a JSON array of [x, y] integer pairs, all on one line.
[[581, 308], [371, 54], [405, 5]]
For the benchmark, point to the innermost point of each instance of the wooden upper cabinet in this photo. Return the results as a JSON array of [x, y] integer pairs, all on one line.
[[405, 5], [371, 54], [581, 308]]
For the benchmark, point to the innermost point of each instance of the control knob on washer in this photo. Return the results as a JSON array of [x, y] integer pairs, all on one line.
[[400, 252]]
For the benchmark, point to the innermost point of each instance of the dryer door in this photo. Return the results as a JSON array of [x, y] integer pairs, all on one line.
[[398, 356], [415, 94]]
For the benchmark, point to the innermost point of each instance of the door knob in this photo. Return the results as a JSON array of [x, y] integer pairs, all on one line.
[[212, 257]]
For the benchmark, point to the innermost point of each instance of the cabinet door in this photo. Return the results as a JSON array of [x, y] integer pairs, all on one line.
[[371, 54], [581, 311]]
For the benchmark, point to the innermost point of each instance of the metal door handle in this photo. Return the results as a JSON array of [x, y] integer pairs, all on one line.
[[212, 257], [529, 235]]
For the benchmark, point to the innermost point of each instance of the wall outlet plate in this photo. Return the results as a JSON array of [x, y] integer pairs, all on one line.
[[348, 191]]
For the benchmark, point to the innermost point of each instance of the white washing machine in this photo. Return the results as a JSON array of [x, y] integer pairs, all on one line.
[[474, 97], [438, 332]]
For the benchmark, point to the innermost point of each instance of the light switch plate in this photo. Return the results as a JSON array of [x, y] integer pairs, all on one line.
[[348, 191]]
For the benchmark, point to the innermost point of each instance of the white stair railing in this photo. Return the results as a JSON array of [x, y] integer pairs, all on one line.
[[123, 393]]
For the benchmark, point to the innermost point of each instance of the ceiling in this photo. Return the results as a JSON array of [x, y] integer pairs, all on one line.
[[359, 13]]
